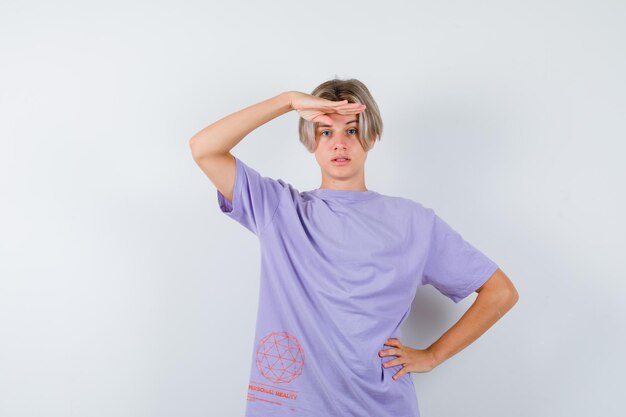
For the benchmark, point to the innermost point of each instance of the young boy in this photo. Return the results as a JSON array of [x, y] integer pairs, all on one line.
[[340, 265]]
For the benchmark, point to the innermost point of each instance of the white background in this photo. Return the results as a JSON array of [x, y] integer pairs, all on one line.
[[125, 292]]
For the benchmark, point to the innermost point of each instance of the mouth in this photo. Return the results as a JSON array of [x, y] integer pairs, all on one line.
[[340, 161]]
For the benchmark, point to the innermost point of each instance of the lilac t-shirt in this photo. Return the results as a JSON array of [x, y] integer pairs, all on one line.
[[339, 270]]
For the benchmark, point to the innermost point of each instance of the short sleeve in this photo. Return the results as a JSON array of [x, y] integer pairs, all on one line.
[[255, 198], [453, 266]]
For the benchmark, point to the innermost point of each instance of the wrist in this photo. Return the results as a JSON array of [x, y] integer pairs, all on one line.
[[287, 97], [434, 358]]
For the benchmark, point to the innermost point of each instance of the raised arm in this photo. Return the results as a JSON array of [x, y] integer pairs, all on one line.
[[211, 146]]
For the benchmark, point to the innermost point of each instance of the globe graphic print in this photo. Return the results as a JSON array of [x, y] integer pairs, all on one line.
[[279, 357]]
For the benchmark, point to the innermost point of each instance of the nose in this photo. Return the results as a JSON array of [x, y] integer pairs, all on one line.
[[340, 142]]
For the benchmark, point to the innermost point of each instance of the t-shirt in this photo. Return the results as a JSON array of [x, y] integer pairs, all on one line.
[[339, 271]]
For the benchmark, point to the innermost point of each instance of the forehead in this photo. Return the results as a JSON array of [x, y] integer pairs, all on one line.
[[341, 120]]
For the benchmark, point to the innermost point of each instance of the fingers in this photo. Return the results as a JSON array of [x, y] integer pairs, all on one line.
[[345, 105], [400, 373], [393, 362], [329, 106], [389, 352], [322, 118], [392, 341], [352, 106], [348, 111], [394, 351]]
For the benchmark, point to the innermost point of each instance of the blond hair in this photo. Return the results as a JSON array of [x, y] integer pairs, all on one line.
[[370, 124]]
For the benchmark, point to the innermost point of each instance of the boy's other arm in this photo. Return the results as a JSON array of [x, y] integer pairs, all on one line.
[[495, 298], [210, 147]]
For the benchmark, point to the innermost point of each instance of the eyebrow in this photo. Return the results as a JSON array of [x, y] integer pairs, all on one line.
[[351, 121]]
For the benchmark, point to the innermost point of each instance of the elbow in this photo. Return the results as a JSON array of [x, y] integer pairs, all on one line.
[[512, 297], [192, 147], [198, 149], [501, 300]]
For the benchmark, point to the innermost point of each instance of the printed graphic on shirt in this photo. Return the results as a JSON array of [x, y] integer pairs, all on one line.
[[280, 359]]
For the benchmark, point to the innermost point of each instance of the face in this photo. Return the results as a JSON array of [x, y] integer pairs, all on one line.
[[340, 138]]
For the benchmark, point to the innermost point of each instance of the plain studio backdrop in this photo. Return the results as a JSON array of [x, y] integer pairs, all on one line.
[[125, 292]]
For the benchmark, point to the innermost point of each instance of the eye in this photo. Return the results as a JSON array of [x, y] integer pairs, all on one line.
[[328, 131]]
